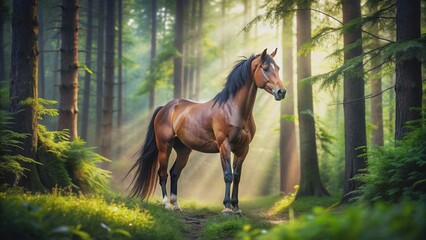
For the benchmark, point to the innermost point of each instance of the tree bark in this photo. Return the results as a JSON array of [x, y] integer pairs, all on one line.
[[354, 111], [289, 159], [108, 98], [2, 46], [100, 71], [199, 46], [310, 181], [23, 85], [87, 77], [153, 48], [41, 76], [408, 84], [68, 89], [178, 61], [120, 75], [376, 106]]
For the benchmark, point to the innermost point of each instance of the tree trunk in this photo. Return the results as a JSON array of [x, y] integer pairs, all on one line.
[[354, 111], [120, 75], [2, 46], [108, 102], [87, 77], [178, 61], [191, 50], [100, 72], [153, 49], [199, 46], [289, 159], [41, 77], [408, 85], [23, 85], [310, 181], [68, 88], [376, 88]]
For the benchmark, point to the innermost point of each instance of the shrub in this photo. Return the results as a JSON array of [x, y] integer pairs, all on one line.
[[397, 171], [383, 221]]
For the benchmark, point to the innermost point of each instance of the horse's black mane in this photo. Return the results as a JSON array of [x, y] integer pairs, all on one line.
[[235, 80]]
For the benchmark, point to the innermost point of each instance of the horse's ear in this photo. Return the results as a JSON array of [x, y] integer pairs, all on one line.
[[262, 56], [274, 52]]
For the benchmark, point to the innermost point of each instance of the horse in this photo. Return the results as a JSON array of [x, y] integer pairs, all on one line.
[[222, 125]]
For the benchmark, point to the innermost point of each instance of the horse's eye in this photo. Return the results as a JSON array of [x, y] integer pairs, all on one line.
[[265, 69]]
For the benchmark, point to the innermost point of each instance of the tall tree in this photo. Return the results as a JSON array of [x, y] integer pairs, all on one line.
[[108, 97], [41, 75], [310, 181], [100, 71], [178, 61], [88, 75], [199, 46], [120, 75], [408, 84], [354, 105], [289, 159], [376, 106], [153, 48], [68, 88], [2, 47], [23, 84]]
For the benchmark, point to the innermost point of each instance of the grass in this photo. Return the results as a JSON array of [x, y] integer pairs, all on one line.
[[59, 215]]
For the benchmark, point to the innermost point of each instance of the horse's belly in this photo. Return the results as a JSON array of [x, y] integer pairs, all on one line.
[[206, 146]]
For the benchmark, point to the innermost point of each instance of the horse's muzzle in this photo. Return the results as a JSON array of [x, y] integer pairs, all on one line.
[[280, 94]]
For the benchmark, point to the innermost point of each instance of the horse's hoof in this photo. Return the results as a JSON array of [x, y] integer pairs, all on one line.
[[238, 212], [168, 206], [227, 212], [177, 209]]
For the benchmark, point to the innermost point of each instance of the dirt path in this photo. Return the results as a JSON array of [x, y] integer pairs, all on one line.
[[193, 225]]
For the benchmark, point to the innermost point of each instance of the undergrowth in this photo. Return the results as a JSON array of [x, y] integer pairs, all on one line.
[[65, 215]]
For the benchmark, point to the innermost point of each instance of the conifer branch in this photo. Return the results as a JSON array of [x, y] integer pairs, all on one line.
[[366, 97]]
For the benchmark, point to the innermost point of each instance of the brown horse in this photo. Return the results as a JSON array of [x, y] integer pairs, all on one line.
[[222, 125]]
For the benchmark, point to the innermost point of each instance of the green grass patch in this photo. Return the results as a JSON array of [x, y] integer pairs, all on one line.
[[383, 221], [58, 215]]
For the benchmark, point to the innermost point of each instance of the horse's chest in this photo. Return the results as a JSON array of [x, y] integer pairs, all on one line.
[[239, 137]]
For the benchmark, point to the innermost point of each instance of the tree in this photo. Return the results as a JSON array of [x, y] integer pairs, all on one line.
[[87, 77], [153, 49], [354, 104], [100, 71], [178, 61], [289, 169], [310, 181], [24, 83], [199, 47], [120, 74], [68, 88], [2, 53], [41, 41], [408, 84], [108, 98], [376, 88]]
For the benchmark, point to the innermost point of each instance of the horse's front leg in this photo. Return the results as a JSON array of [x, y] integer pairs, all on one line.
[[225, 156], [238, 164]]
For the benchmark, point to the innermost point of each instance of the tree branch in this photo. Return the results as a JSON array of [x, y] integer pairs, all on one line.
[[366, 97], [375, 36]]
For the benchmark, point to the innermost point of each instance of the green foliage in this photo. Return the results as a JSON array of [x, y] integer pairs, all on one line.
[[397, 171], [224, 227], [402, 221], [81, 163], [11, 164], [63, 215]]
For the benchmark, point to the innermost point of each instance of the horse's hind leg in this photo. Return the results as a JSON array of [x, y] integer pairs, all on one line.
[[182, 152], [164, 150]]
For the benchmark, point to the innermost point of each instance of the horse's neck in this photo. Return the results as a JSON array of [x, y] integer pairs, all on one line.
[[245, 98]]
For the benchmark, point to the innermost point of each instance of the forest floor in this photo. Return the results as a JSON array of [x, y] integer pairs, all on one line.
[[59, 215]]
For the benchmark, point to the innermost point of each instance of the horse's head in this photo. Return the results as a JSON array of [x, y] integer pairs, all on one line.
[[265, 74]]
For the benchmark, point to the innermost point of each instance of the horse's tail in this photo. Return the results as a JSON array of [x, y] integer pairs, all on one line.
[[146, 165]]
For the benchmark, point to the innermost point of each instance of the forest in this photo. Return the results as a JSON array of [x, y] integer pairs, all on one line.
[[97, 95]]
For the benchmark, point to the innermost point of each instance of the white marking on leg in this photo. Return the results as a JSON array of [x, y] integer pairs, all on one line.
[[166, 203], [174, 202]]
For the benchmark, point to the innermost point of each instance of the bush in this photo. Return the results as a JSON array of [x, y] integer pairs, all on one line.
[[63, 215], [397, 171], [400, 221]]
